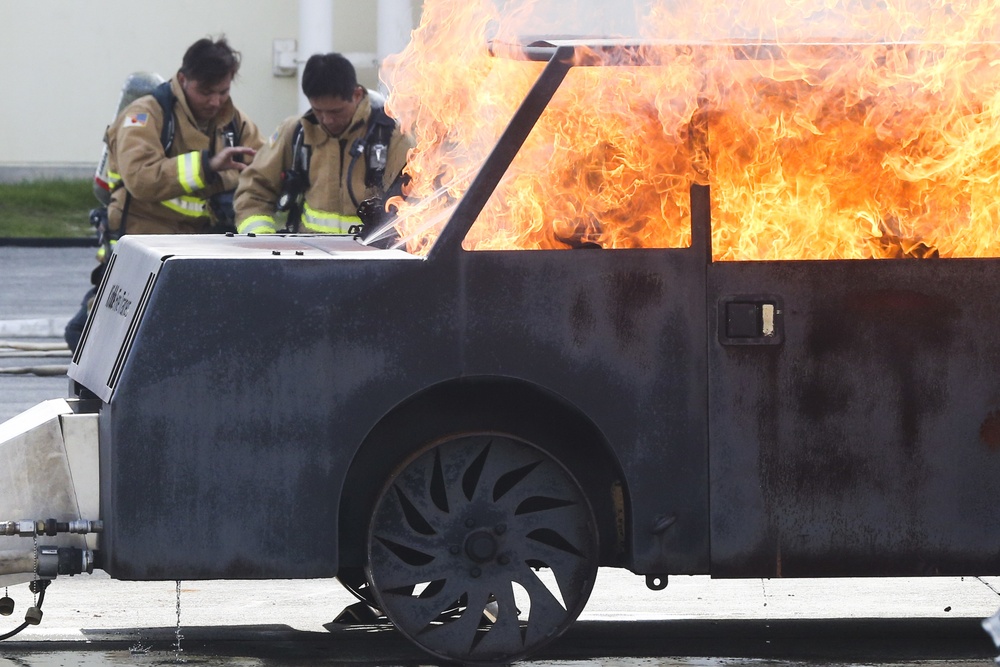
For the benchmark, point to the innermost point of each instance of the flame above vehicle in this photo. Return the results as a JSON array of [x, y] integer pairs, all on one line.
[[815, 145]]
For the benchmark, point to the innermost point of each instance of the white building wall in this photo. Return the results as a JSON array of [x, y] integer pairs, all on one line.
[[63, 62]]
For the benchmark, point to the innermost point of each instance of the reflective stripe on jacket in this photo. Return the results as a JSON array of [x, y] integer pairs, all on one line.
[[169, 191], [328, 205], [322, 222], [258, 224]]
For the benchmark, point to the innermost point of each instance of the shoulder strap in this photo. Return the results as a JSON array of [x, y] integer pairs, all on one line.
[[380, 129], [300, 151], [381, 118], [233, 132], [295, 181], [165, 96]]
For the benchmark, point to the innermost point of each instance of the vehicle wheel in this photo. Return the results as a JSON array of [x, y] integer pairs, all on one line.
[[493, 531]]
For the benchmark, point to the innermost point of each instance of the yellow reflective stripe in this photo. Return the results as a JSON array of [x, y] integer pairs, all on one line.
[[102, 252], [114, 180], [192, 207], [322, 222], [257, 224], [189, 171]]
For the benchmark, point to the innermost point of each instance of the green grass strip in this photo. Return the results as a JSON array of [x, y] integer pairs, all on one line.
[[46, 209]]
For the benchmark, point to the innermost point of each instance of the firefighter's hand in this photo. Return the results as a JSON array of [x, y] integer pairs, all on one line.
[[231, 157]]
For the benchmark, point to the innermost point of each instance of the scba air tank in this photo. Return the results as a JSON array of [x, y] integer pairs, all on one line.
[[136, 85]]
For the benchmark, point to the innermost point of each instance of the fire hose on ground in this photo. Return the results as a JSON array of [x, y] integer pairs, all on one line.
[[19, 350]]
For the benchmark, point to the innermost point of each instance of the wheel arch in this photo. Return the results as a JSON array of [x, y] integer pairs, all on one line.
[[494, 403]]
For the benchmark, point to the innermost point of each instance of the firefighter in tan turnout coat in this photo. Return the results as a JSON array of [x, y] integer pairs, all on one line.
[[164, 184], [321, 166], [174, 158]]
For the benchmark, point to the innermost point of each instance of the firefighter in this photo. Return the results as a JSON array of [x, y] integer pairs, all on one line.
[[174, 158], [344, 153], [169, 184]]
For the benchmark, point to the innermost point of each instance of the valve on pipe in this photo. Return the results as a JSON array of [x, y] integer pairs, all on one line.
[[47, 562], [50, 527]]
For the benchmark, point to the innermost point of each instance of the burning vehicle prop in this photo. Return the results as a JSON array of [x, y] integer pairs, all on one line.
[[635, 349]]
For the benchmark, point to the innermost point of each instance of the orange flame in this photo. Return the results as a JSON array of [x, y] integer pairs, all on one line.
[[814, 146]]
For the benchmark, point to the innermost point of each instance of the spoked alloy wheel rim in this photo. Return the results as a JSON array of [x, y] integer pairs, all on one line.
[[482, 549]]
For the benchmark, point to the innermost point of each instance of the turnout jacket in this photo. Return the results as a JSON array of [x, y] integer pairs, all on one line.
[[170, 190], [327, 204]]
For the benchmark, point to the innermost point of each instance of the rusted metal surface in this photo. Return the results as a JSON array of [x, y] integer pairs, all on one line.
[[865, 443]]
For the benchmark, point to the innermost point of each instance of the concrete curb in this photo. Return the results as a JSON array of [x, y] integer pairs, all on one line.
[[36, 328]]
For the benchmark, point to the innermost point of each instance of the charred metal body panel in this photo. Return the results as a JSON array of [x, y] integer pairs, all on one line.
[[235, 420], [866, 442], [761, 419]]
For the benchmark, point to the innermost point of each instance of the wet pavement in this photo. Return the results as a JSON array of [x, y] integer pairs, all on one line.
[[93, 620], [695, 621], [639, 644]]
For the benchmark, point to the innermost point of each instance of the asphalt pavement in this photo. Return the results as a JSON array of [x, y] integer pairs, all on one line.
[[40, 289]]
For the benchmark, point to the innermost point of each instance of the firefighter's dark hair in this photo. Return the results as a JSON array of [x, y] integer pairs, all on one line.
[[209, 62], [329, 74]]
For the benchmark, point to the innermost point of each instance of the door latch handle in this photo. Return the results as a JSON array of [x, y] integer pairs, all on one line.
[[751, 320]]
